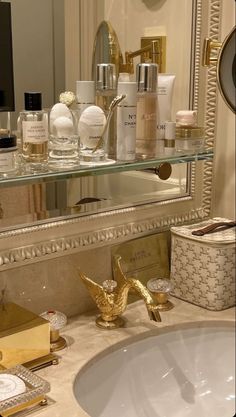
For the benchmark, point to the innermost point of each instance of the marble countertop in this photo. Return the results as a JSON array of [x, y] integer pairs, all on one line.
[[85, 341]]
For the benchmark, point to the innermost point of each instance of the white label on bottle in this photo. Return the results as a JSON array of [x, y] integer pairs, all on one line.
[[126, 133], [7, 162], [35, 131], [162, 90]]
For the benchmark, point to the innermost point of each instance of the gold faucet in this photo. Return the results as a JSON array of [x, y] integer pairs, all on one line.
[[111, 297]]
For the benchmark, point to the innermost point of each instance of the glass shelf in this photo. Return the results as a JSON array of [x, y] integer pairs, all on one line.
[[83, 171]]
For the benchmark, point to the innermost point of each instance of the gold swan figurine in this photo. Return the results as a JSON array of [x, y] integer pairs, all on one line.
[[111, 297]]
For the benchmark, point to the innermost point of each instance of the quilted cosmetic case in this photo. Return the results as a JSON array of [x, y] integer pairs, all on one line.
[[203, 267]]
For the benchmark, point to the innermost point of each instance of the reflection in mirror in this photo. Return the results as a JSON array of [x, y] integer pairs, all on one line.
[[106, 48], [82, 196], [78, 197]]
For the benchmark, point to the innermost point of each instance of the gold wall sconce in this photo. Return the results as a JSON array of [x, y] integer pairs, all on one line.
[[153, 49], [106, 49], [223, 55], [209, 55]]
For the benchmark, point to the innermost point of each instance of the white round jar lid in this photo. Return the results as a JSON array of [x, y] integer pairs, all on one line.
[[10, 385]]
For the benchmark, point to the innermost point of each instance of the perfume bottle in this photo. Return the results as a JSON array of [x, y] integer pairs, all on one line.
[[126, 121], [106, 91], [147, 111], [33, 127]]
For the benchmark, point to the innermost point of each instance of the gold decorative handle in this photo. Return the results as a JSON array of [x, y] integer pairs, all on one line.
[[212, 227], [208, 46]]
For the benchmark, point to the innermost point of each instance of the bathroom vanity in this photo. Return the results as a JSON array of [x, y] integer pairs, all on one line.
[[88, 343]]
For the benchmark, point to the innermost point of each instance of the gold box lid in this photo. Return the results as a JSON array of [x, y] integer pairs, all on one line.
[[14, 318]]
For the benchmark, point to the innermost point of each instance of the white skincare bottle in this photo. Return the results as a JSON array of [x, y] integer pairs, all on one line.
[[33, 126], [165, 90], [169, 140], [85, 95], [105, 92], [126, 121], [147, 110]]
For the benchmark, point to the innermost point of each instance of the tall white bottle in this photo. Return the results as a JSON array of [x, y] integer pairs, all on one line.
[[126, 121], [85, 95]]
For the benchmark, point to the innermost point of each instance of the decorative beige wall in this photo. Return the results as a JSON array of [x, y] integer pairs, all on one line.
[[224, 170]]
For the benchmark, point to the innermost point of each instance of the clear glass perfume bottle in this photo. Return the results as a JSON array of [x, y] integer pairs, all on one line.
[[33, 128], [147, 110], [106, 91]]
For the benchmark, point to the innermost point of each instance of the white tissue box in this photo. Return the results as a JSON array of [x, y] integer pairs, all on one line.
[[203, 267]]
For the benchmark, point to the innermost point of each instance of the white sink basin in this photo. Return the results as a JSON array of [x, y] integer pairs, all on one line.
[[182, 371]]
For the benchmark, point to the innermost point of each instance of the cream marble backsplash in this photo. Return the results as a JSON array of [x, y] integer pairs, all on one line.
[[55, 284]]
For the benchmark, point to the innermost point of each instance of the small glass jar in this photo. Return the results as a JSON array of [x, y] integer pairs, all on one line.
[[189, 139], [63, 138], [8, 155]]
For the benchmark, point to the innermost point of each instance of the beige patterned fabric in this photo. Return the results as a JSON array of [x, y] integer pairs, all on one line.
[[203, 268]]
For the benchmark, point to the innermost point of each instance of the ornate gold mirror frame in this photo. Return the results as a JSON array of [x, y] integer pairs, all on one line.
[[42, 242]]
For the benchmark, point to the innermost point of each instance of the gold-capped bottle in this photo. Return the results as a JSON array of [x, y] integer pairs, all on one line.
[[33, 126]]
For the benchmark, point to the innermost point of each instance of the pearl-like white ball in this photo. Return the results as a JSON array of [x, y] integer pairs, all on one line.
[[63, 127], [58, 110]]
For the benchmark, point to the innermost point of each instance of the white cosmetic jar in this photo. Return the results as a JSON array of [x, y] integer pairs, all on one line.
[[189, 139]]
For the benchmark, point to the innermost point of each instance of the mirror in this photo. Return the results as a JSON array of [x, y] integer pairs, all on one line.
[[102, 193], [138, 213], [226, 70]]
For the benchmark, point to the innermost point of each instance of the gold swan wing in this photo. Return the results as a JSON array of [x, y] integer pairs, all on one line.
[[103, 300]]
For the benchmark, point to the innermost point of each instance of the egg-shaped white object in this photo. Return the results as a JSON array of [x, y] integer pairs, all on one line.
[[58, 110], [91, 125], [63, 127]]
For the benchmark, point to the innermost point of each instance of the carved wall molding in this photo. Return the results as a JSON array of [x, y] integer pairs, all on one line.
[[83, 241], [211, 104]]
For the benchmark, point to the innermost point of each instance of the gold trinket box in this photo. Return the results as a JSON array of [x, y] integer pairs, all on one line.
[[24, 336]]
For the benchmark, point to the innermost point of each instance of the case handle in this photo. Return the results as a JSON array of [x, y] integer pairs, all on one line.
[[212, 227]]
